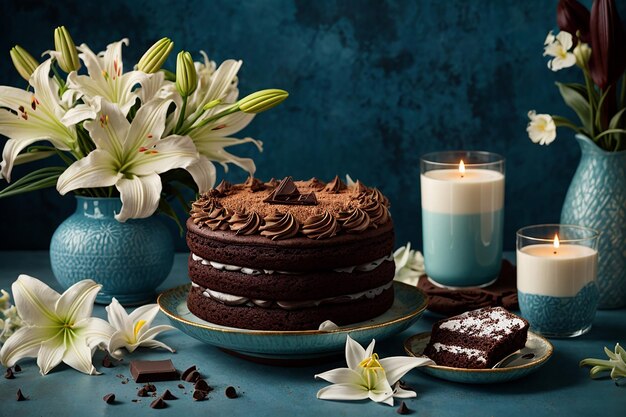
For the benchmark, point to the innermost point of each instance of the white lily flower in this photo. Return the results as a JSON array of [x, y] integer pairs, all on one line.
[[409, 264], [58, 327], [558, 47], [367, 376], [541, 128], [10, 321], [130, 156], [28, 117], [133, 330], [106, 79], [212, 139]]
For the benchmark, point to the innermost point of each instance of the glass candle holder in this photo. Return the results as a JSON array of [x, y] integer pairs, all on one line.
[[557, 267], [462, 217]]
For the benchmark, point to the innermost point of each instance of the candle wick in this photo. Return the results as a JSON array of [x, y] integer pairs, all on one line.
[[555, 252], [462, 176]]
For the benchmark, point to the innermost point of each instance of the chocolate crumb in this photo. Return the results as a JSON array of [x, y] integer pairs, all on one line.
[[17, 368], [135, 400], [202, 385], [181, 386], [106, 362], [403, 409], [9, 374], [199, 395], [109, 398], [142, 393], [405, 386], [187, 371], [125, 381], [193, 376], [167, 395], [158, 403], [149, 388], [20, 396], [231, 392]]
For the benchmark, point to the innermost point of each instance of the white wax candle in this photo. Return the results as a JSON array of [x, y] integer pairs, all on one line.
[[475, 191], [558, 272]]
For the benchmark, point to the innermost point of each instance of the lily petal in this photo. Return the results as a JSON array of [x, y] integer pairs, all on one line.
[[76, 303], [24, 343], [341, 376], [382, 392], [343, 392], [78, 355], [152, 332], [140, 196], [153, 344], [403, 393], [146, 312], [397, 366], [94, 170], [50, 353], [203, 173], [109, 132], [117, 341], [354, 353], [148, 124], [95, 331], [117, 316], [79, 113], [32, 298], [168, 153]]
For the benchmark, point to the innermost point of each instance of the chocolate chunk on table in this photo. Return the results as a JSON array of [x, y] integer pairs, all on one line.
[[109, 398], [150, 371]]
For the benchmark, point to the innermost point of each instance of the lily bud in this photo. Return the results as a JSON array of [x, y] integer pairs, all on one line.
[[608, 59], [67, 54], [154, 57], [262, 100], [582, 52], [24, 62], [573, 17], [211, 104], [186, 77]]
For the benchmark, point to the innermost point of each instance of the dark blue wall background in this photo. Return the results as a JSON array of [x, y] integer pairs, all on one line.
[[374, 84]]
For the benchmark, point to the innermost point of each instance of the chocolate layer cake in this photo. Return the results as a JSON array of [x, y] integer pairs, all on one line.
[[476, 339], [290, 255]]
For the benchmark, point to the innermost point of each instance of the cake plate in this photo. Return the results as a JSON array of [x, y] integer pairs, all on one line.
[[293, 346], [536, 352]]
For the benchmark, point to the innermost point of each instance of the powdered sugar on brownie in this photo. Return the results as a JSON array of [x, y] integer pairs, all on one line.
[[486, 322], [458, 350]]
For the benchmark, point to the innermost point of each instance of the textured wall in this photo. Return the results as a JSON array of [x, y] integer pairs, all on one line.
[[374, 84]]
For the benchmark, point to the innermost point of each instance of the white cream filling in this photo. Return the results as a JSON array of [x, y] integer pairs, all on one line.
[[458, 350], [236, 300], [366, 267]]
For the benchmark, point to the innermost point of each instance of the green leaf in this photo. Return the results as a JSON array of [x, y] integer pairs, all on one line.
[[577, 101], [167, 209], [33, 178], [598, 120], [616, 120]]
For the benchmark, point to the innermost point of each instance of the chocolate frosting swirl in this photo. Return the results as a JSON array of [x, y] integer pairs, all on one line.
[[223, 188], [321, 226], [354, 220], [254, 184], [359, 188], [377, 212], [245, 223], [335, 185], [273, 183], [280, 226], [201, 209], [316, 184], [218, 219], [378, 196]]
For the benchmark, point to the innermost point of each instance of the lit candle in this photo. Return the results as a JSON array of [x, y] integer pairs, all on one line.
[[462, 220], [556, 280]]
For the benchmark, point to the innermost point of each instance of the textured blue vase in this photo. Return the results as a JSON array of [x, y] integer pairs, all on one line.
[[597, 198], [129, 259]]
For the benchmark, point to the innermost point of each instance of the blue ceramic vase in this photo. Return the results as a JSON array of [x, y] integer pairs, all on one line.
[[597, 198], [129, 259]]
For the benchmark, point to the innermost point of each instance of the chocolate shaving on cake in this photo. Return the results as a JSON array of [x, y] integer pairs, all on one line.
[[354, 220], [321, 226], [223, 187], [254, 184], [218, 219], [287, 193], [335, 186], [245, 223], [280, 226], [273, 183], [378, 213], [316, 184], [359, 188]]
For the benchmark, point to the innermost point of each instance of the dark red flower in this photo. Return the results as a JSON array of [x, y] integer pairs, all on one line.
[[573, 17], [608, 58]]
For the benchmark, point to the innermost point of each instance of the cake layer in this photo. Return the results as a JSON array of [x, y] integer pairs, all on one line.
[[476, 339], [288, 286], [295, 254], [276, 318]]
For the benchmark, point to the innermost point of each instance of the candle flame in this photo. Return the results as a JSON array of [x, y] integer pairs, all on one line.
[[556, 241], [462, 168]]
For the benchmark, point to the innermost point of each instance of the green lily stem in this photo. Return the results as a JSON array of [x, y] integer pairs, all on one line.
[[590, 94], [58, 77], [610, 131], [232, 109], [181, 116]]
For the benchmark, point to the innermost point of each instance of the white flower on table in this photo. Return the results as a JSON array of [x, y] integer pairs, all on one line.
[[10, 321], [133, 330], [368, 376], [131, 156], [409, 264], [541, 128], [57, 327], [558, 48]]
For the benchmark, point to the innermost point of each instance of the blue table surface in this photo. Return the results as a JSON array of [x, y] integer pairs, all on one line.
[[559, 388]]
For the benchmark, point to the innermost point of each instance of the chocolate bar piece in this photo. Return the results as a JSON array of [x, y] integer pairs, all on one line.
[[151, 371]]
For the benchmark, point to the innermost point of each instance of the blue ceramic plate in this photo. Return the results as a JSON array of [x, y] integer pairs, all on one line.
[[407, 308], [536, 352]]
